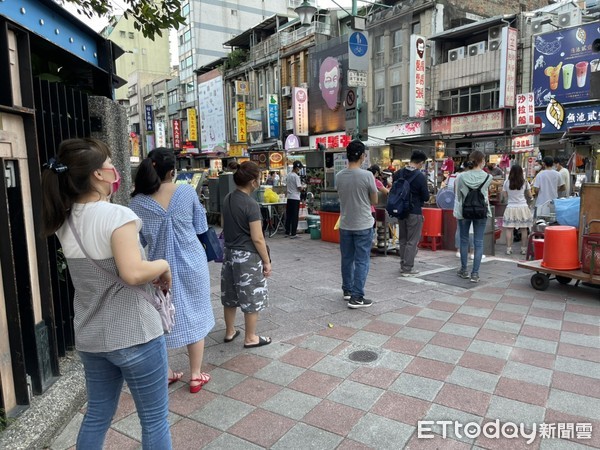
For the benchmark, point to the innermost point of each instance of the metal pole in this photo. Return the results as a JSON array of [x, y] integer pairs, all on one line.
[[358, 89]]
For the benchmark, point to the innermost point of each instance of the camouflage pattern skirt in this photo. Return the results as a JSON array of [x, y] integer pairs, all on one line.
[[243, 283]]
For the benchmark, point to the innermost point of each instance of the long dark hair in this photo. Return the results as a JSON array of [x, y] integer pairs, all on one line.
[[153, 170], [68, 177], [516, 180], [245, 173]]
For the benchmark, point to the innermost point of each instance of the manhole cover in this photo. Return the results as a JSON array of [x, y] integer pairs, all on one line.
[[363, 356]]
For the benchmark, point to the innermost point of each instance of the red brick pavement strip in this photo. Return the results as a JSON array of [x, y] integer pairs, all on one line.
[[424, 323], [262, 427], [451, 341], [576, 384], [516, 300], [315, 383], [496, 337], [188, 434], [381, 327], [464, 399], [581, 328], [338, 332], [540, 333], [582, 309], [443, 306], [507, 316], [253, 391], [553, 416], [333, 417], [409, 310], [521, 391], [183, 403], [429, 368], [375, 376], [479, 304], [402, 408], [302, 357], [117, 441], [465, 319], [579, 352], [482, 363], [404, 346], [247, 364], [538, 359], [546, 313]]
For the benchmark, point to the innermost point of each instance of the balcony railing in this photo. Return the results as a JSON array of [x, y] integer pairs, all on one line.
[[268, 47], [468, 71], [289, 37]]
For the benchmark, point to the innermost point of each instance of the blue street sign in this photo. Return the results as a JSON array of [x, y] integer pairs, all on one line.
[[358, 48]]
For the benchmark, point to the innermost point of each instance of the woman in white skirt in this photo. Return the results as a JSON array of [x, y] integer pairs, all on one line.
[[517, 213]]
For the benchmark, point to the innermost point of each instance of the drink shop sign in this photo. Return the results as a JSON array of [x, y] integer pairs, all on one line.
[[566, 67]]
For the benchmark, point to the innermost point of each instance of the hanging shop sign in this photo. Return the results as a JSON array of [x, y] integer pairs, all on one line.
[[260, 158], [236, 149], [524, 143], [242, 87], [468, 123], [566, 65], [330, 140], [292, 142], [273, 116], [416, 101], [276, 160], [134, 148], [176, 133], [241, 122], [192, 121], [300, 102], [161, 138], [557, 118], [525, 109], [254, 126], [149, 118], [508, 68], [212, 114]]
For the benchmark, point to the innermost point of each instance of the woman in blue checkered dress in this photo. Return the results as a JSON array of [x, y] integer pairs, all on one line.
[[172, 218]]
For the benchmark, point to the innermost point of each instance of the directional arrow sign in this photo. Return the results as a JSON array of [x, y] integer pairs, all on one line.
[[358, 51]]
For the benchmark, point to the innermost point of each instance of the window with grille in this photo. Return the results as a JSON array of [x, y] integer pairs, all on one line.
[[397, 47], [396, 102], [379, 105], [261, 84], [471, 99], [379, 50]]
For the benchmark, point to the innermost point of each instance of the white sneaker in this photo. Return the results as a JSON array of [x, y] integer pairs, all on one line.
[[509, 251], [458, 254], [472, 256]]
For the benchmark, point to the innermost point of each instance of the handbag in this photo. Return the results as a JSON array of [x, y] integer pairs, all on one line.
[[162, 301], [213, 245]]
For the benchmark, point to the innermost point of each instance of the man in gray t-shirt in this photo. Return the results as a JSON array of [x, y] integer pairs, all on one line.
[[357, 192]]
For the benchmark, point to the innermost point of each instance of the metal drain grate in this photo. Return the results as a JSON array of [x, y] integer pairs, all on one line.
[[363, 356]]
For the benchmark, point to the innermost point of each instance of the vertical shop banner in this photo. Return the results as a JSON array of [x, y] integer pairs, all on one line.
[[161, 138], [300, 104], [508, 68], [149, 118], [254, 126], [134, 148], [149, 143], [241, 121], [273, 116], [416, 105], [212, 114], [176, 133], [192, 121], [525, 109]]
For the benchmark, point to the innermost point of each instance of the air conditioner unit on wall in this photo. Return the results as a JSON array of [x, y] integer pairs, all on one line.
[[289, 113], [494, 45], [495, 33], [286, 91], [570, 18], [456, 54], [477, 49]]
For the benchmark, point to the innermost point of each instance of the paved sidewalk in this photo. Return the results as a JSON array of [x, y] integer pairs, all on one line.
[[445, 349]]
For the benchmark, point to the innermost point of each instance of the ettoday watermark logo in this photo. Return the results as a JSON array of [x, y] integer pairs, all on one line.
[[427, 429]]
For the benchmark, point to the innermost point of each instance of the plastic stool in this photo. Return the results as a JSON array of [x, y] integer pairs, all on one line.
[[432, 242]]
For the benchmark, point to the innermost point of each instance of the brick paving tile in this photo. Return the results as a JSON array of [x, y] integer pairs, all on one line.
[[437, 443], [581, 328], [483, 363], [246, 363], [297, 340], [553, 416], [463, 399], [183, 403], [540, 333], [126, 406], [579, 352], [478, 303], [399, 407], [340, 348], [302, 357], [546, 313], [409, 310], [375, 376], [503, 443], [549, 296], [451, 341], [497, 337], [190, 435], [404, 346], [522, 391], [262, 427], [426, 324], [381, 327], [466, 319], [507, 316], [429, 368], [333, 417], [443, 306], [338, 332], [118, 441], [582, 309], [576, 384], [349, 444], [315, 383], [538, 359], [253, 391], [516, 300]]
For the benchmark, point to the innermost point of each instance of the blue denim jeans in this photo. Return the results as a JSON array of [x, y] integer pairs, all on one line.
[[145, 369], [355, 247], [478, 229]]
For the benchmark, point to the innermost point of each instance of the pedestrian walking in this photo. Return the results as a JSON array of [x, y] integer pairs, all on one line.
[[546, 186], [357, 192], [172, 217], [560, 163], [517, 215], [118, 333], [246, 263], [409, 228], [294, 188]]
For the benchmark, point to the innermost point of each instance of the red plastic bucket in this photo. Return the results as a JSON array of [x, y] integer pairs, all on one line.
[[538, 248], [561, 248]]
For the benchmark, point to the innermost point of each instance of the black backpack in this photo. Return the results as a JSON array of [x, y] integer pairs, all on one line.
[[474, 204], [399, 197]]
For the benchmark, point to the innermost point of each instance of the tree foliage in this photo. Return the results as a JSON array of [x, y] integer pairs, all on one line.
[[150, 17]]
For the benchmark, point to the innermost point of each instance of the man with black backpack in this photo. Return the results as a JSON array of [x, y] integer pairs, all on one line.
[[405, 200]]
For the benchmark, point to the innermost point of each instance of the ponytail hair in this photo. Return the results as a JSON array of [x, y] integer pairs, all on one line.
[[245, 173], [477, 157], [152, 171], [67, 177]]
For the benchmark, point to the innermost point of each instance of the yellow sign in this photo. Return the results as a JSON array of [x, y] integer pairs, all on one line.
[[241, 121], [192, 124], [236, 150]]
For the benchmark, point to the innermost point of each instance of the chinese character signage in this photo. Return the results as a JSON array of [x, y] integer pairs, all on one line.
[[557, 119], [273, 116], [236, 150], [468, 123], [260, 158], [149, 118], [525, 109], [276, 160], [192, 120], [241, 121], [331, 140], [524, 143], [566, 67], [212, 114], [176, 133], [254, 126], [508, 68], [300, 102], [161, 138], [416, 105]]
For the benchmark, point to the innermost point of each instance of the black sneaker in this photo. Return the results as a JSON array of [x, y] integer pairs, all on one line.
[[359, 302], [347, 296]]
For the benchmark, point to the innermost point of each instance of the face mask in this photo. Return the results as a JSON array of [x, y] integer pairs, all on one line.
[[114, 185]]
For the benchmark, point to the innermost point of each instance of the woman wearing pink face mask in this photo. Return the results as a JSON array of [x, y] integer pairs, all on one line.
[[118, 333]]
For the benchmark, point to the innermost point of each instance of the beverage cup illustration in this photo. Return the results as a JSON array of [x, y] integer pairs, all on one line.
[[581, 69], [567, 73], [553, 73]]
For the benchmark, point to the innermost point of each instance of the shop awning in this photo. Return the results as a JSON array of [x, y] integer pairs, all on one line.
[[263, 147], [413, 138]]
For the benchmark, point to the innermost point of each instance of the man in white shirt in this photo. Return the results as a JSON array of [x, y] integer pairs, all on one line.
[[547, 184], [294, 186], [560, 162]]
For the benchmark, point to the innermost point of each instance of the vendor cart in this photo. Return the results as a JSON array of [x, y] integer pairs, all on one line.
[[541, 279]]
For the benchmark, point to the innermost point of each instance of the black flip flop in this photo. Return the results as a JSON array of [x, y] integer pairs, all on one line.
[[236, 334], [261, 341]]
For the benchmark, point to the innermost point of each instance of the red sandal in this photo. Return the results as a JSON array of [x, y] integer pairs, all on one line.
[[175, 378], [204, 378]]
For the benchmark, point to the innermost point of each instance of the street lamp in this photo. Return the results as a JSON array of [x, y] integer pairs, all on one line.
[[305, 11]]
